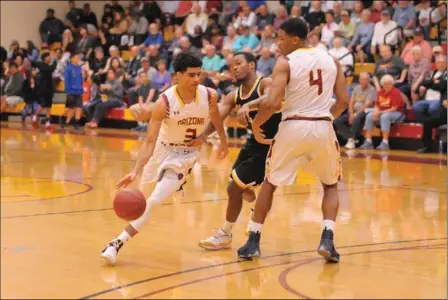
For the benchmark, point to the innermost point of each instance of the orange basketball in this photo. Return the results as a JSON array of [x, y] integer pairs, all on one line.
[[129, 204]]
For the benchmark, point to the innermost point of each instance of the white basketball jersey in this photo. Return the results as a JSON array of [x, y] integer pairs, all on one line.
[[310, 88], [184, 122]]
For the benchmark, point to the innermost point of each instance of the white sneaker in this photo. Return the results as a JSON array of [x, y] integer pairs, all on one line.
[[220, 240], [350, 144], [109, 253], [48, 124]]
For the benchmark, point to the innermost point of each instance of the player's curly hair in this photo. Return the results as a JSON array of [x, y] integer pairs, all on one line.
[[185, 60], [295, 27]]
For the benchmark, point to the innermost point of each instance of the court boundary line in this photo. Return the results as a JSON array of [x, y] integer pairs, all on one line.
[[298, 263], [106, 291]]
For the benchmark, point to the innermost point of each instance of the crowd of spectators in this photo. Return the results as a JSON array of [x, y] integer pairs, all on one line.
[[409, 72]]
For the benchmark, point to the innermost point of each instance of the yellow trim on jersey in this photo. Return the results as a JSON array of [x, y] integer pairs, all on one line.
[[196, 97], [251, 90], [181, 102], [179, 98], [236, 94], [237, 180]]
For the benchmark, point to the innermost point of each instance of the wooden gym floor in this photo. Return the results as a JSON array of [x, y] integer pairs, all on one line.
[[56, 217]]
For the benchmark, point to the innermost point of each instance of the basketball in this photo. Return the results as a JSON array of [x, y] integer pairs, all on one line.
[[129, 204]]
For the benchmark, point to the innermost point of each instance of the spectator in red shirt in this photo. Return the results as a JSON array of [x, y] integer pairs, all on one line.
[[388, 109]]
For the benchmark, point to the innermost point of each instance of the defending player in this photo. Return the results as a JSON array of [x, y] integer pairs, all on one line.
[[306, 78], [249, 168], [180, 114]]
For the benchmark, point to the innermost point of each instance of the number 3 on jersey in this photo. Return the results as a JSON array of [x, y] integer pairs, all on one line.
[[190, 134], [317, 81]]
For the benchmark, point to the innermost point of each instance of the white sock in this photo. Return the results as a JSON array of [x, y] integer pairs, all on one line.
[[328, 224], [124, 236], [369, 140], [227, 227], [385, 141], [254, 226]]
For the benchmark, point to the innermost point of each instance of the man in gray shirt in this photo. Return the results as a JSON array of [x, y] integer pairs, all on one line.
[[363, 97], [114, 91], [266, 63]]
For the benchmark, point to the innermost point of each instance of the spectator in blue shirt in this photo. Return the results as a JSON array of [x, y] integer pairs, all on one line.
[[154, 38], [212, 62], [405, 17], [74, 89], [246, 42], [363, 37]]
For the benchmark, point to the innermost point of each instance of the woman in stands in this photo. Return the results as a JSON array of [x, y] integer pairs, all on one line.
[[389, 108]]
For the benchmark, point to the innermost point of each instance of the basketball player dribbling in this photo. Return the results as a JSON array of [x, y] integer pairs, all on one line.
[[180, 115], [306, 78], [249, 168]]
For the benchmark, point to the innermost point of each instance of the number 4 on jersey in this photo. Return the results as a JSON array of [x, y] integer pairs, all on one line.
[[317, 81]]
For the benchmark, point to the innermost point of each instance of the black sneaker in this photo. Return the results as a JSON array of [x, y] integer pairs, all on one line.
[[252, 247], [326, 247]]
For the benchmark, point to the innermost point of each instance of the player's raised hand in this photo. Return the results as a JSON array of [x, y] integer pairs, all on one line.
[[259, 135], [126, 180], [243, 115]]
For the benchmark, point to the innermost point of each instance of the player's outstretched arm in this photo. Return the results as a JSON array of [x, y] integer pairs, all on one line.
[[340, 90], [217, 121], [243, 112], [159, 112], [273, 102]]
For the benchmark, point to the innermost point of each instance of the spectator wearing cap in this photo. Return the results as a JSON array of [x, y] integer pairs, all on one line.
[[389, 64], [363, 37], [417, 40], [329, 28], [389, 107], [381, 28], [147, 68], [346, 27], [246, 42], [418, 70], [405, 17], [13, 88], [51, 28]]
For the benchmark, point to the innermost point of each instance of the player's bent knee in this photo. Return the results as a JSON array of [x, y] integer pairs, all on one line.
[[234, 190]]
